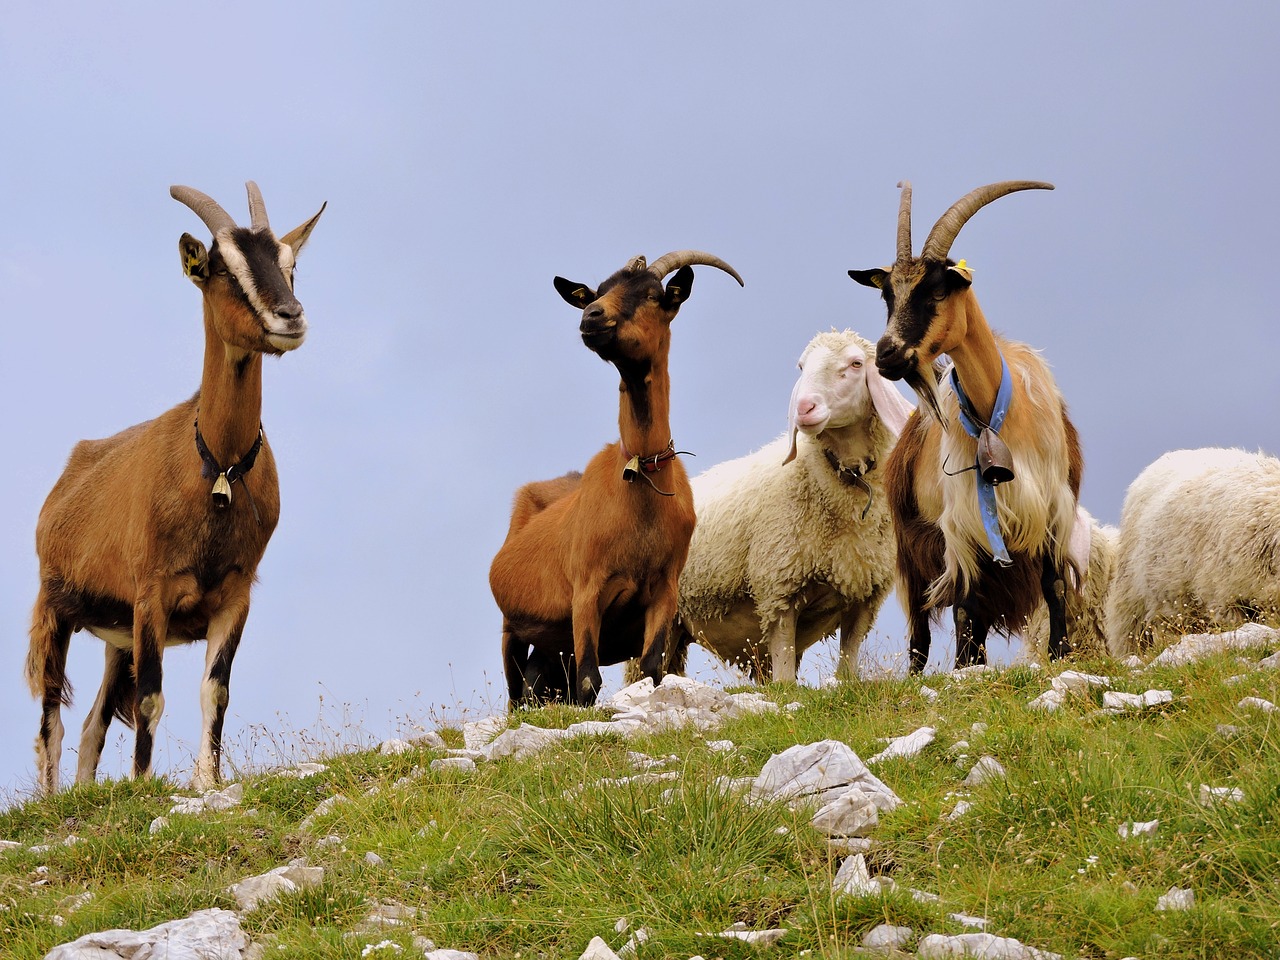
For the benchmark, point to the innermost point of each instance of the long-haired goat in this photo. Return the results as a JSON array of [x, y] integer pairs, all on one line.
[[145, 540], [590, 565], [959, 544]]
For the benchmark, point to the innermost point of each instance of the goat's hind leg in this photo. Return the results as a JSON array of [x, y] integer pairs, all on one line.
[[47, 676], [115, 699], [1054, 587], [971, 638]]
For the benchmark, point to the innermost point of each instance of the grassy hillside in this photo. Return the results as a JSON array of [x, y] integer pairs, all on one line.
[[532, 858]]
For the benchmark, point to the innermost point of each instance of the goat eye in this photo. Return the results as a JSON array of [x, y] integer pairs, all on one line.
[[940, 294]]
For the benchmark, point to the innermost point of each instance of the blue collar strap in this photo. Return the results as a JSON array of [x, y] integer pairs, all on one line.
[[974, 426]]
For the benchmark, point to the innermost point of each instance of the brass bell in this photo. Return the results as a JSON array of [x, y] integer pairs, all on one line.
[[631, 470], [995, 462], [222, 491]]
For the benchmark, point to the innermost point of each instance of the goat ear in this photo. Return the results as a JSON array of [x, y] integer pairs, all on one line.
[[296, 237], [575, 294], [195, 259], [959, 276], [679, 288], [871, 278]]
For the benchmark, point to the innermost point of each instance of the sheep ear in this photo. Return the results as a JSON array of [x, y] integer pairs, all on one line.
[[575, 294], [892, 408], [792, 427], [195, 259], [871, 278]]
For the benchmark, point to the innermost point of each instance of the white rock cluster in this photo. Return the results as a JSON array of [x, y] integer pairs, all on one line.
[[206, 934]]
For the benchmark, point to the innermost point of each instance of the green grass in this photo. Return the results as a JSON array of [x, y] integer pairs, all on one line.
[[534, 857]]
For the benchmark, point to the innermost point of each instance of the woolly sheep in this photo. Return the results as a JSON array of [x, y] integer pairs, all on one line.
[[1086, 608], [1199, 547], [794, 540]]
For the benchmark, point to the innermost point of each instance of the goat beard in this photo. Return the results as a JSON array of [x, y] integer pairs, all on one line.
[[925, 385]]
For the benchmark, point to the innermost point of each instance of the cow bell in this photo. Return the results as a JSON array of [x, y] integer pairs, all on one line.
[[222, 491], [995, 462]]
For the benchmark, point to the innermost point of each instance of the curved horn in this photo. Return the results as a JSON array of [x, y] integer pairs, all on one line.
[[670, 262], [943, 234], [904, 221], [257, 209], [204, 207]]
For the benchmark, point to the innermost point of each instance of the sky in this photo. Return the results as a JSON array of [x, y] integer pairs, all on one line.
[[469, 153]]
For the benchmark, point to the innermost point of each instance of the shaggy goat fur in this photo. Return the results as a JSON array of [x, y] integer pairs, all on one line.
[[1199, 548]]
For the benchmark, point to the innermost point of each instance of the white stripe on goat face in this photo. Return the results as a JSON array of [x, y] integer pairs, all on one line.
[[832, 389]]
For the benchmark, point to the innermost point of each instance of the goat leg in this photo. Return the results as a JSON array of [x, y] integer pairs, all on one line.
[[971, 638], [150, 626], [1054, 587], [115, 698], [586, 648], [47, 676], [225, 630]]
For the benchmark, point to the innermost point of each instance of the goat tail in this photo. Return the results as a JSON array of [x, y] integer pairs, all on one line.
[[46, 668]]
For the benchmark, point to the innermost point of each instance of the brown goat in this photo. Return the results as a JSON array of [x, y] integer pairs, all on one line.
[[145, 540], [947, 553], [587, 574]]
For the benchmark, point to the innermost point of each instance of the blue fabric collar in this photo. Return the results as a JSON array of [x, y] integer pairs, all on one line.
[[973, 425]]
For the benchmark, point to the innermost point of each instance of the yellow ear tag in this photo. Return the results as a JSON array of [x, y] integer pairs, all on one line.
[[964, 269]]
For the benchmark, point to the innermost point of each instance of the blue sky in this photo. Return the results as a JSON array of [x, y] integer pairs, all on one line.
[[469, 153]]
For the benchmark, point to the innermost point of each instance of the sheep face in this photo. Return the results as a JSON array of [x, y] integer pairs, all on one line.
[[628, 320], [832, 388]]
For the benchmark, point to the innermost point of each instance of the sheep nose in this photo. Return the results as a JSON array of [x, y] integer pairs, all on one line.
[[805, 406]]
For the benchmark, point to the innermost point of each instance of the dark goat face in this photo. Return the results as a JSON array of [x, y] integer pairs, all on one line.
[[927, 304], [628, 319]]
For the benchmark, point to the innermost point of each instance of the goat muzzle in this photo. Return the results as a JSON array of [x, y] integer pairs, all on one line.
[[995, 462]]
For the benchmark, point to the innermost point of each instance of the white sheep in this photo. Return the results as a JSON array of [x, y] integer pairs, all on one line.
[[1086, 608], [794, 540], [1199, 547]]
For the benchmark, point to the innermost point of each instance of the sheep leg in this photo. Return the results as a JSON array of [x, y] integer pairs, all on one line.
[[855, 624], [1054, 587], [114, 697], [225, 631], [47, 676], [150, 626], [971, 638], [780, 636]]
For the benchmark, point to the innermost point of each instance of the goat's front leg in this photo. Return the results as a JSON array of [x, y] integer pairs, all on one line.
[[150, 627], [225, 631], [1054, 588], [971, 638], [515, 663], [658, 617], [780, 637], [586, 647]]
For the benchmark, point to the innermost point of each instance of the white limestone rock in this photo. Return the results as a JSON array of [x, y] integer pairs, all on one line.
[[252, 892], [887, 938], [431, 740], [823, 771], [961, 808], [759, 938], [525, 740], [450, 955], [852, 814], [303, 770], [460, 764], [211, 800], [1197, 646], [1114, 700], [1049, 701], [987, 768], [1210, 796], [323, 808], [597, 949], [906, 746], [204, 935], [929, 694], [394, 747], [937, 946], [477, 734], [1081, 684], [1178, 898], [1138, 828], [1256, 703]]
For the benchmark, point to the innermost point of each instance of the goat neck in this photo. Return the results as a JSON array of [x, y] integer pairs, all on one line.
[[230, 401], [644, 407], [976, 356]]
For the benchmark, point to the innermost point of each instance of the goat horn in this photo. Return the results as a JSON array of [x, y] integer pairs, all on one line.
[[904, 221], [943, 234], [671, 262], [204, 207], [257, 209]]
